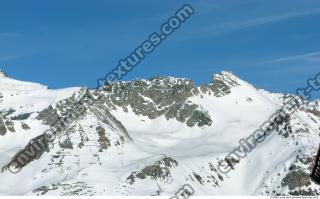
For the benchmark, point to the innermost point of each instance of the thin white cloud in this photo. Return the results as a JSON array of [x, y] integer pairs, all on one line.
[[7, 58], [9, 34], [256, 21], [308, 57], [16, 55]]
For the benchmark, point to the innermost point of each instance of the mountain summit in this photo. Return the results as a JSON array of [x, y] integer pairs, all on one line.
[[150, 137], [2, 73]]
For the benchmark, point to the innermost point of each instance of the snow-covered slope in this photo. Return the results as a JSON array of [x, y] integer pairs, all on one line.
[[150, 137]]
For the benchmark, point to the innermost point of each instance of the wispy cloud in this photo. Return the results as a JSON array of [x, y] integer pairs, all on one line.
[[307, 57], [246, 14], [255, 21], [9, 34], [264, 20], [16, 55], [8, 58]]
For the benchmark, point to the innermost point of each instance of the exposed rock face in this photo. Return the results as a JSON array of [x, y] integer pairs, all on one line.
[[7, 112], [25, 126], [23, 116], [160, 96], [66, 143], [3, 128], [64, 108], [308, 192], [6, 125], [10, 125], [160, 170], [296, 179], [1, 97], [103, 140], [73, 189], [315, 175], [315, 112], [199, 178], [222, 84]]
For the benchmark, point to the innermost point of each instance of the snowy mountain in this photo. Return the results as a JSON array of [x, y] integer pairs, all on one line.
[[150, 137]]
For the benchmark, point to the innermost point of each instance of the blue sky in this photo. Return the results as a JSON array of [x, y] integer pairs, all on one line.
[[274, 44]]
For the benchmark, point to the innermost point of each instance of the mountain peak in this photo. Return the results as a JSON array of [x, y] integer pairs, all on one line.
[[147, 126], [227, 76], [2, 73]]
